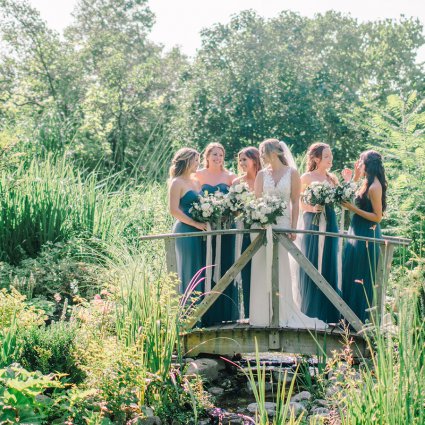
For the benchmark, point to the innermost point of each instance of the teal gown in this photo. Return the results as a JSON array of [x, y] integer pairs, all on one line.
[[188, 250], [225, 308], [360, 261], [314, 303]]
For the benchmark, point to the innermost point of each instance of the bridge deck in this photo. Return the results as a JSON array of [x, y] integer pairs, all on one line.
[[228, 339]]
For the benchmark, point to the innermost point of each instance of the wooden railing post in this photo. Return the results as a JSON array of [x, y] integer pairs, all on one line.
[[170, 255], [275, 285], [382, 272]]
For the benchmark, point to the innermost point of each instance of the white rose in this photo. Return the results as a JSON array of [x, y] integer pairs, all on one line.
[[205, 214]]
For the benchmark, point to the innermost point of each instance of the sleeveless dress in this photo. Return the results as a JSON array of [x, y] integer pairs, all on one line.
[[313, 302], [260, 302], [188, 250], [225, 307], [360, 261]]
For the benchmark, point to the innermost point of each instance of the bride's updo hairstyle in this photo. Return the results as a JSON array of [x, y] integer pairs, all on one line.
[[374, 167], [182, 161], [315, 151], [269, 146], [208, 150]]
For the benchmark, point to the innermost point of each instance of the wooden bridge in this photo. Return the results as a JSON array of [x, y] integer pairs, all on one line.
[[230, 338]]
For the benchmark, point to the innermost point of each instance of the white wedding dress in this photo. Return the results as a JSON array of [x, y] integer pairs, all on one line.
[[260, 303]]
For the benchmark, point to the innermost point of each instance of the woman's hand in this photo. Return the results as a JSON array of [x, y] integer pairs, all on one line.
[[317, 208], [347, 174], [291, 236], [348, 205], [358, 170], [200, 226]]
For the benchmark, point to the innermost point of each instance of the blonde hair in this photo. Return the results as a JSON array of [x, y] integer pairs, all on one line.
[[181, 161], [208, 150], [269, 146]]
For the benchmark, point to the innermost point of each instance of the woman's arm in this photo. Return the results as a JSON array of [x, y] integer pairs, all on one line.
[[258, 185], [174, 194], [375, 196]]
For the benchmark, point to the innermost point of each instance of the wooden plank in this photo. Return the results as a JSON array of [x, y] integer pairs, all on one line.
[[225, 281], [275, 285], [382, 273], [321, 282], [227, 342]]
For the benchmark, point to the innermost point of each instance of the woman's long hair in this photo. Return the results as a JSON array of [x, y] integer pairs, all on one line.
[[316, 151], [208, 150], [182, 161], [374, 167], [269, 146], [253, 154]]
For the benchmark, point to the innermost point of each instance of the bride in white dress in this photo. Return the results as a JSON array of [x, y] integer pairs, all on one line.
[[278, 178]]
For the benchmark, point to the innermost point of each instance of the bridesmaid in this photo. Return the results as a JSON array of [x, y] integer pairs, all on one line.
[[214, 177], [313, 302], [361, 258], [183, 190], [249, 163]]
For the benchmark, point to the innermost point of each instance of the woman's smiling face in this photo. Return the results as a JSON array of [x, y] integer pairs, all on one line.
[[216, 157]]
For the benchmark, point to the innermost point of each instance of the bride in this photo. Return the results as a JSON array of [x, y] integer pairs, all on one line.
[[280, 178]]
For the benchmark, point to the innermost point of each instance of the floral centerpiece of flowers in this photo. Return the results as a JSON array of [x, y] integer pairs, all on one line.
[[319, 193], [263, 210], [236, 199], [345, 192], [208, 208]]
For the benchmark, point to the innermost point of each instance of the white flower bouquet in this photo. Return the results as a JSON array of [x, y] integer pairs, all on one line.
[[345, 192], [319, 193], [237, 198], [208, 208], [263, 210]]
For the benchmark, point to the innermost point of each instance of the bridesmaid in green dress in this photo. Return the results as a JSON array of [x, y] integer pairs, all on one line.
[[214, 177], [184, 188], [249, 164], [360, 258]]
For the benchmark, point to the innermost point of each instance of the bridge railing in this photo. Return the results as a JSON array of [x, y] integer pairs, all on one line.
[[386, 246]]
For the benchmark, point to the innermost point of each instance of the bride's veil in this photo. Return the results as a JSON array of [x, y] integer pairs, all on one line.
[[295, 269]]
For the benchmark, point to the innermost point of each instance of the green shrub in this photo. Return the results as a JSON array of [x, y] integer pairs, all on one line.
[[63, 268], [51, 349], [21, 395], [13, 305]]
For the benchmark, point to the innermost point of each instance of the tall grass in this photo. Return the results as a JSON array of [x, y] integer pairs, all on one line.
[[147, 308], [391, 390], [51, 201]]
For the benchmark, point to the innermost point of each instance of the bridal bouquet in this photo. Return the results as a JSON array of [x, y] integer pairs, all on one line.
[[263, 210], [208, 208], [319, 193], [237, 198], [345, 192]]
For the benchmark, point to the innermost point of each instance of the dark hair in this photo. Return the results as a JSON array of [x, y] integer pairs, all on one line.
[[254, 154], [374, 167], [270, 146], [181, 161], [316, 151]]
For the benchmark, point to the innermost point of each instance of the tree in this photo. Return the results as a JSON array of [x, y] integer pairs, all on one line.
[[295, 78]]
